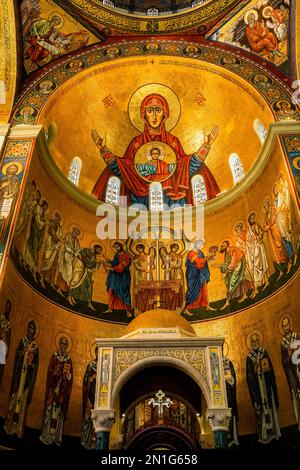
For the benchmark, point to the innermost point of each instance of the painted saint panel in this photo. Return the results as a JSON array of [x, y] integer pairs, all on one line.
[[49, 32], [216, 380], [105, 378], [261, 27], [12, 170]]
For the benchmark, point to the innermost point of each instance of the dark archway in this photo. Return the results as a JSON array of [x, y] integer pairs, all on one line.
[[166, 378], [170, 433], [161, 438]]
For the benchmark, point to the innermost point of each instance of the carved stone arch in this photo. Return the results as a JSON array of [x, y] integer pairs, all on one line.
[[200, 380]]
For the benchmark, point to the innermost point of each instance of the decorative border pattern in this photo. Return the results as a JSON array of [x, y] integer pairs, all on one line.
[[16, 154], [291, 144], [270, 88], [98, 13], [125, 358]]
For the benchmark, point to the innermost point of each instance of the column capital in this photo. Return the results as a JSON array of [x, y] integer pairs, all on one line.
[[23, 131], [4, 128], [103, 420], [218, 418]]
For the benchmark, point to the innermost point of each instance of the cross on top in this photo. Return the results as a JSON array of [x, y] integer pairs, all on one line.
[[160, 401]]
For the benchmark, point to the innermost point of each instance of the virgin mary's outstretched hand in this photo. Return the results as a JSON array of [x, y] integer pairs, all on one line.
[[211, 137], [97, 139]]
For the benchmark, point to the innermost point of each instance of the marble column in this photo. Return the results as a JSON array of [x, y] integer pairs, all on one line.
[[103, 421], [219, 419]]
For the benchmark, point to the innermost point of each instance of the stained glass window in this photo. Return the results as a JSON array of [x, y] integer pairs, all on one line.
[[74, 171], [156, 197], [199, 190], [113, 190], [260, 130], [236, 167]]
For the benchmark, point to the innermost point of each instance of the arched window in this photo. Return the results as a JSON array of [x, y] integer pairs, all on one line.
[[260, 130], [152, 12], [236, 167], [156, 197], [75, 169], [113, 190], [199, 190]]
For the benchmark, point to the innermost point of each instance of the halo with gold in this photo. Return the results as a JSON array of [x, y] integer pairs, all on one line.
[[253, 211], [93, 350], [30, 108], [249, 336], [54, 13], [48, 83], [176, 242], [97, 243], [289, 317], [57, 211], [7, 165], [143, 156], [145, 90], [225, 349], [250, 12], [28, 320], [116, 241], [135, 244], [280, 102], [267, 12], [227, 239], [239, 222], [72, 226], [265, 199], [296, 163], [70, 342]]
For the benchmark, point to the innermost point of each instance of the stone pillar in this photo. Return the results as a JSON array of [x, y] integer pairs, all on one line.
[[103, 421], [219, 419], [17, 144]]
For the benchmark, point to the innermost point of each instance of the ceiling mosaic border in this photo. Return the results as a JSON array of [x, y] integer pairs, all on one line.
[[269, 87], [98, 13]]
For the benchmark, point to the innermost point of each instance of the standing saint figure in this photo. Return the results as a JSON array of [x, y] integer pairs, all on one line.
[[172, 262], [5, 333], [241, 243], [9, 190], [118, 281], [230, 381], [256, 252], [88, 437], [25, 257], [26, 365], [51, 251], [37, 231], [197, 278], [154, 111], [278, 250], [85, 264], [57, 396], [144, 263], [24, 220], [282, 204], [68, 250], [105, 371], [234, 268], [263, 391], [291, 368]]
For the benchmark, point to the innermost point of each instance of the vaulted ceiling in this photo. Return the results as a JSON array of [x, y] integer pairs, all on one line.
[[48, 31]]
